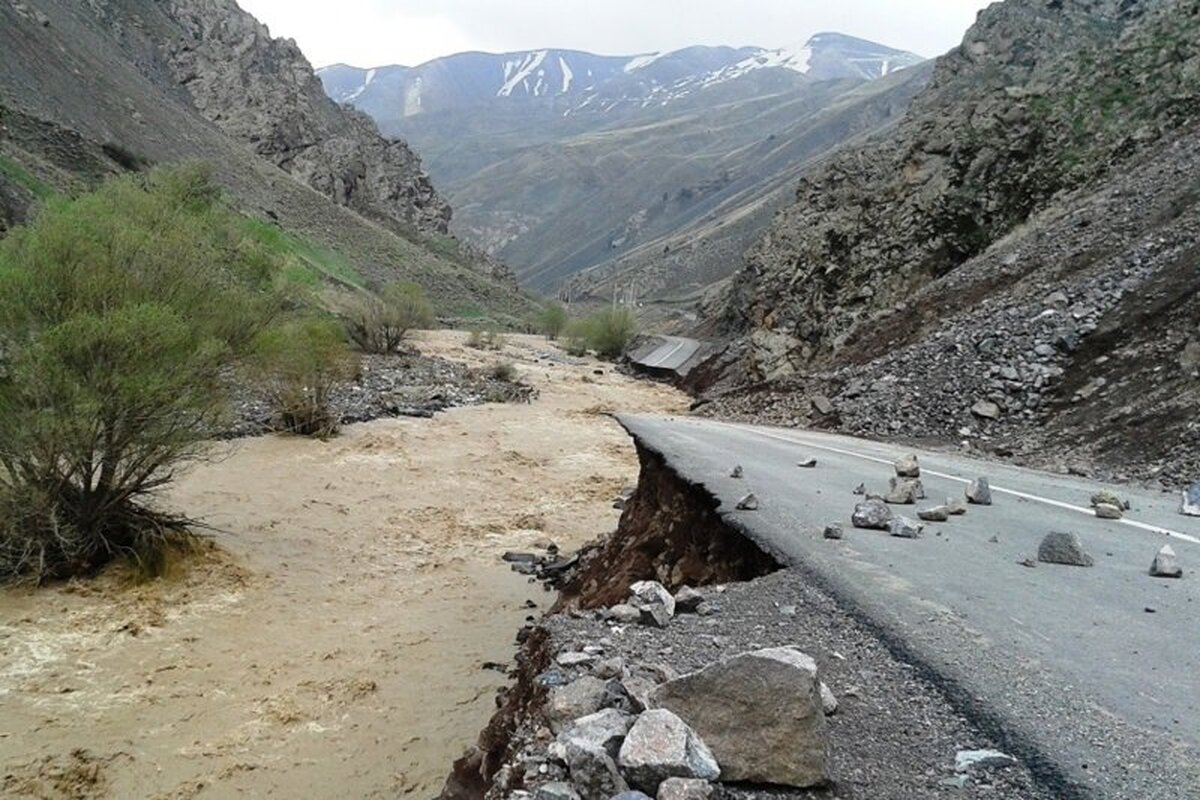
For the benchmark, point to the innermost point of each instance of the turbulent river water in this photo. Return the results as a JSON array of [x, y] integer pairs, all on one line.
[[331, 642]]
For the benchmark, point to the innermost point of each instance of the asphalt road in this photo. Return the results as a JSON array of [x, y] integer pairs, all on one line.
[[1092, 675], [671, 354]]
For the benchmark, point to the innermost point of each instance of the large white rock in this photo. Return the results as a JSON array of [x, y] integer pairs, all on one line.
[[660, 745], [760, 712]]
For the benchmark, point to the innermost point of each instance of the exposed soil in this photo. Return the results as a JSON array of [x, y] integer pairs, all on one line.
[[329, 641]]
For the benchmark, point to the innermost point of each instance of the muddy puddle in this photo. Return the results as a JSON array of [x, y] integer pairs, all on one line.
[[332, 643]]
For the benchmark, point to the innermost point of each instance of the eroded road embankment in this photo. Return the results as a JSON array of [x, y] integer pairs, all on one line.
[[1086, 674], [894, 736], [331, 645]]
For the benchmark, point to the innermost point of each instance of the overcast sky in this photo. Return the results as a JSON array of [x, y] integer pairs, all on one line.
[[369, 33]]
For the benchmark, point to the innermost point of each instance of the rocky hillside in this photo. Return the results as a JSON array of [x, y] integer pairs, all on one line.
[[558, 161], [94, 88], [1015, 266]]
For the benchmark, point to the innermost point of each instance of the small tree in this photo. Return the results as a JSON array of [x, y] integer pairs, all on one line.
[[379, 323], [610, 332], [119, 313], [301, 364], [553, 320]]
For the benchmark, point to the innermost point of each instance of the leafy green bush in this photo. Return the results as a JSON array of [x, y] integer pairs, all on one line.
[[379, 323], [301, 363], [575, 338], [609, 332], [552, 321], [119, 313]]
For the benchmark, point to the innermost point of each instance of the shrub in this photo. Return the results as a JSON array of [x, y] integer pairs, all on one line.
[[301, 363], [119, 313], [503, 371], [575, 339], [609, 332], [552, 321], [379, 323]]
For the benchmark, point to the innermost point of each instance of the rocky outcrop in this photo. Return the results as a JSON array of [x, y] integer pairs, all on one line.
[[1040, 97], [1065, 333], [263, 91]]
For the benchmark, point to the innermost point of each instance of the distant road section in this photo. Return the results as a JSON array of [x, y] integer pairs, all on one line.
[[1092, 675], [666, 355]]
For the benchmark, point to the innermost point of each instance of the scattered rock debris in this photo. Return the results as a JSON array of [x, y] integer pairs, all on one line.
[[1166, 564], [1064, 548]]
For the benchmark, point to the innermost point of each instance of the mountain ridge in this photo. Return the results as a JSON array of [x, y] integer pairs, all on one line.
[[557, 176]]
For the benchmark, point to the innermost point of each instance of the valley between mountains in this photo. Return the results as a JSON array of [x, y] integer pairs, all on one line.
[[718, 422]]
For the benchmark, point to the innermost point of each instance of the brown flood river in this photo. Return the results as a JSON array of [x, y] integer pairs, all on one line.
[[331, 647]]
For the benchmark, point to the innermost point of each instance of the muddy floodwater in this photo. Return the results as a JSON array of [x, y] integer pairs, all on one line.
[[331, 643]]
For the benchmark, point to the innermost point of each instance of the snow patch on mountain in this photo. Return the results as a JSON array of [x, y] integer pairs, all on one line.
[[642, 61], [518, 73]]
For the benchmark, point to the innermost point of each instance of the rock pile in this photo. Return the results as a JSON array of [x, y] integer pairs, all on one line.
[[401, 385], [756, 716]]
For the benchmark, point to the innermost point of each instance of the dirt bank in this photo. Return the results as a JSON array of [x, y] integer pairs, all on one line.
[[332, 646]]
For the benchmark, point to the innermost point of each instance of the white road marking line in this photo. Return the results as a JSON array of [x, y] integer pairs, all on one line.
[[1025, 495]]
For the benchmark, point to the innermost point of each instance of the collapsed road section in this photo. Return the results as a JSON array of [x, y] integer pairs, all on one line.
[[687, 596]]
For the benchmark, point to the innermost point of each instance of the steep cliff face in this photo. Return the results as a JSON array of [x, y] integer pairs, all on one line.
[[263, 91], [1040, 98]]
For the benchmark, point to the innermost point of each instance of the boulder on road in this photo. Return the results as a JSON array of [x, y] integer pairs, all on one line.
[[956, 506], [748, 503], [1064, 548], [979, 492], [808, 463], [760, 712], [908, 467], [659, 746], [1190, 507], [1108, 497], [904, 491], [905, 528], [736, 472], [935, 514], [833, 531], [1108, 511], [1165, 564], [872, 515]]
